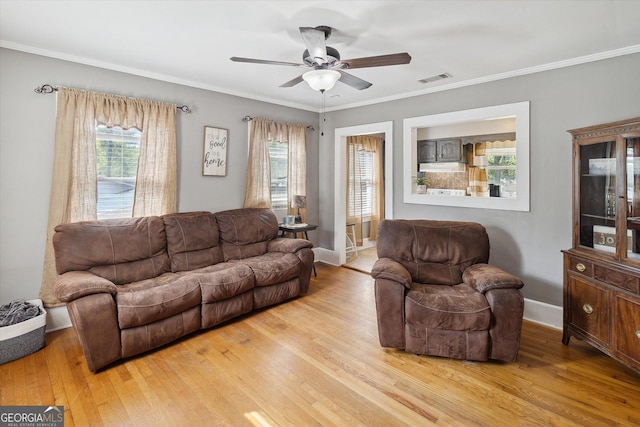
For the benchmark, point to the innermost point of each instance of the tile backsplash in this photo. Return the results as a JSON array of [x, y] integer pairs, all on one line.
[[450, 180]]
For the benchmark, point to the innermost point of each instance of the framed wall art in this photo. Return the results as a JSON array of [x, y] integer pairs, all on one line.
[[214, 160]]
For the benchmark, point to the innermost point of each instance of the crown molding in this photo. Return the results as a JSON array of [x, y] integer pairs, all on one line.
[[148, 74], [471, 82], [501, 76]]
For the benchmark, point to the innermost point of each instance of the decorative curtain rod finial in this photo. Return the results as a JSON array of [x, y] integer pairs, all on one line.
[[45, 89]]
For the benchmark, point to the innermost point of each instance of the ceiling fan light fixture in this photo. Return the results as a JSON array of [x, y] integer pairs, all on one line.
[[321, 80]]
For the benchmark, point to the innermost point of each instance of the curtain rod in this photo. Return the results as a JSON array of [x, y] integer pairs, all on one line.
[[249, 118], [47, 88]]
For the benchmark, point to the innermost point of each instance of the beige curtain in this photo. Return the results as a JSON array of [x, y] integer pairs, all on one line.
[[355, 214], [297, 166], [157, 177], [258, 183], [74, 182], [478, 175], [257, 190], [478, 182]]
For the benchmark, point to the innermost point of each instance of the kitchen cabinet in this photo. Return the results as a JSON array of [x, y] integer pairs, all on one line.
[[441, 150]]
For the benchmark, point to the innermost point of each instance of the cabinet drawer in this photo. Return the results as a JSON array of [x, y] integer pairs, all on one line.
[[615, 278], [589, 309], [581, 266], [627, 329]]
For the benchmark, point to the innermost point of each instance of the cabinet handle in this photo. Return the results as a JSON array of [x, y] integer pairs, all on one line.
[[580, 267], [638, 334], [587, 308]]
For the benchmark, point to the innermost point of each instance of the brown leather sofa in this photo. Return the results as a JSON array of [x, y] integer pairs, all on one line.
[[131, 285], [436, 295]]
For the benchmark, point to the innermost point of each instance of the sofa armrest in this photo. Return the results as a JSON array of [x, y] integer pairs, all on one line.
[[386, 268], [76, 284], [392, 282], [507, 309], [485, 277], [95, 319], [282, 244]]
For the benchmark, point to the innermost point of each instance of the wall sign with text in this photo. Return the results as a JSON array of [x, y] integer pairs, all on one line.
[[214, 161]]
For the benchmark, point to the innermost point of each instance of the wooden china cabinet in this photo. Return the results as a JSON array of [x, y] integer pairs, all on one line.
[[602, 269]]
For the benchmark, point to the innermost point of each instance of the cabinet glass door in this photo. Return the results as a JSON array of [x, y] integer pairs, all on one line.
[[633, 197], [598, 200]]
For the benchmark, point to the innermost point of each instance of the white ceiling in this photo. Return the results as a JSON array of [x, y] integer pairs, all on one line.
[[190, 42]]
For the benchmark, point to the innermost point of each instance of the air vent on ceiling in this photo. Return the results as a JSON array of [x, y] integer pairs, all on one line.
[[435, 78]]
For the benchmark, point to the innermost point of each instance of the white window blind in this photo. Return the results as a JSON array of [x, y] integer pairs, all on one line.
[[278, 158], [361, 194], [117, 152]]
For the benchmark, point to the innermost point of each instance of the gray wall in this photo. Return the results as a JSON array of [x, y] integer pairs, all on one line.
[[525, 243], [27, 122]]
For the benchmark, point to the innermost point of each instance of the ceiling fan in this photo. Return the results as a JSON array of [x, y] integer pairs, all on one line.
[[325, 63]]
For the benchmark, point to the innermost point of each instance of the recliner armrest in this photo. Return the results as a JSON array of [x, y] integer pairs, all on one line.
[[282, 244], [386, 268], [485, 277], [75, 284]]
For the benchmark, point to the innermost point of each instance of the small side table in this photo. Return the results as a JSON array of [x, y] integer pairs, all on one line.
[[294, 229]]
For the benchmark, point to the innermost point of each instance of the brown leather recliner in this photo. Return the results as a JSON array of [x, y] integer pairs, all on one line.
[[436, 295]]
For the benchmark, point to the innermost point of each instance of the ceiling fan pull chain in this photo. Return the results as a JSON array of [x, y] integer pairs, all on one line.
[[324, 119]]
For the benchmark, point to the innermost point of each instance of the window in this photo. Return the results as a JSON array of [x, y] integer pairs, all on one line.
[[501, 169], [361, 186], [278, 160], [117, 152], [478, 121]]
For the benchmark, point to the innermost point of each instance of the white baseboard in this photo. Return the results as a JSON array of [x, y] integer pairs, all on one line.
[[366, 243], [326, 256], [543, 313], [57, 318]]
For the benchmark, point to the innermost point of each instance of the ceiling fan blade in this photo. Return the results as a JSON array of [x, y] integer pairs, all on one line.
[[293, 82], [378, 61], [314, 40], [263, 61], [353, 81]]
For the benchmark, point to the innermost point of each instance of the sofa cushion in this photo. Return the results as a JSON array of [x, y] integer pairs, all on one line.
[[468, 345], [272, 267], [218, 312], [192, 240], [245, 233], [147, 301], [223, 281], [264, 296], [456, 308], [433, 252], [121, 250], [147, 337]]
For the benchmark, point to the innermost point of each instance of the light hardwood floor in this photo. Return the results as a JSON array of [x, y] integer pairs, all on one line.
[[364, 260], [316, 360]]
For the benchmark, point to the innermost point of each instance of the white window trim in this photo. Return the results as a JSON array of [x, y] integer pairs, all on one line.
[[519, 110]]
